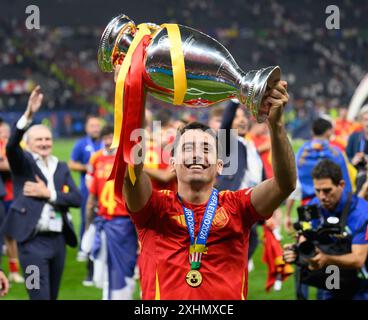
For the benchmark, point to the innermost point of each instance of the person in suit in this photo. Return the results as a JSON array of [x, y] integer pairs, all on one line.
[[43, 192]]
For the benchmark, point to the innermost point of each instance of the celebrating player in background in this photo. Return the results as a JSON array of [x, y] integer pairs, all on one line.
[[114, 244], [165, 218], [156, 163]]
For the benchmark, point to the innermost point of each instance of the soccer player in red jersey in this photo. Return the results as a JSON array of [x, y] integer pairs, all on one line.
[[194, 243], [156, 163], [114, 244]]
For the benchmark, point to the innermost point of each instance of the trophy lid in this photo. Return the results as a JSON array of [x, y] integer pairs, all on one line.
[[115, 40]]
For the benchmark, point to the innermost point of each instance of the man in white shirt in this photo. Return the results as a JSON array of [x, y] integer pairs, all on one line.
[[43, 192]]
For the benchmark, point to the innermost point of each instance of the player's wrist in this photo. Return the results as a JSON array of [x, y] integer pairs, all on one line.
[[276, 124], [28, 114]]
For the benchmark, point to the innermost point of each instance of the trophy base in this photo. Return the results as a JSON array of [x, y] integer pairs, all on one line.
[[255, 84]]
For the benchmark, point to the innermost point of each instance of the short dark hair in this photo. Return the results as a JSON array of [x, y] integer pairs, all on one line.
[[327, 169], [194, 126], [106, 130], [320, 126]]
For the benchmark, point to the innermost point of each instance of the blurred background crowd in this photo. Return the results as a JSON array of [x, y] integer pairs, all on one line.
[[323, 67]]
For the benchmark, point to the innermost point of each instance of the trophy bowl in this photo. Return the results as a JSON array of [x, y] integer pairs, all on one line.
[[212, 74]]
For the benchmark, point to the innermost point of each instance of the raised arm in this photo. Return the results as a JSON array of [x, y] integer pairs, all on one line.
[[14, 152], [267, 196], [161, 175], [137, 195]]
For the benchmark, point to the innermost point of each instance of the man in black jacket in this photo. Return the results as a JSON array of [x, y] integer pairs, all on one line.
[[43, 192]]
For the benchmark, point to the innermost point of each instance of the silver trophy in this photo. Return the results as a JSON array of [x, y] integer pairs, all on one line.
[[212, 73]]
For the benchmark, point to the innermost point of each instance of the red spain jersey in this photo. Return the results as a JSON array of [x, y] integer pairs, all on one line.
[[6, 176], [164, 241], [99, 170], [156, 158], [266, 155]]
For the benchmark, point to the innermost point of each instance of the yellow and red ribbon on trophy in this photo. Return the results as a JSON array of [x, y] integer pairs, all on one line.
[[129, 96], [177, 62]]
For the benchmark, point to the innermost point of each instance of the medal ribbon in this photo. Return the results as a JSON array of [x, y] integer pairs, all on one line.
[[198, 245]]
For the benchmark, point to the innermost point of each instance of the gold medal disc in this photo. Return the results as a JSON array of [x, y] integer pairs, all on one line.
[[194, 278]]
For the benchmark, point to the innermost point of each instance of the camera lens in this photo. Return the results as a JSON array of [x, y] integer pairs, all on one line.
[[307, 249]]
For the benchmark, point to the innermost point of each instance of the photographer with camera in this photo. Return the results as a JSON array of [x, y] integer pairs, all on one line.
[[332, 230]]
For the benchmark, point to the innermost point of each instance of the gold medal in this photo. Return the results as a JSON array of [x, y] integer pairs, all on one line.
[[194, 278]]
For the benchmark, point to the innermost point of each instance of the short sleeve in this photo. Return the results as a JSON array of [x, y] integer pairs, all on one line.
[[361, 235], [242, 200], [146, 217]]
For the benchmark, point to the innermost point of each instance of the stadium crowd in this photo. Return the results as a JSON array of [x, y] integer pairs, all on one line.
[[321, 66]]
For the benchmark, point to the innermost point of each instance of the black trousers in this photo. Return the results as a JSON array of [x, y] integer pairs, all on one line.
[[42, 259]]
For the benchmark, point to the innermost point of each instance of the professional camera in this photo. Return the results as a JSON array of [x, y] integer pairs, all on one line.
[[329, 236], [326, 234]]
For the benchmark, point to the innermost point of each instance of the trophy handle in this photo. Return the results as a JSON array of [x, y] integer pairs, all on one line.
[[115, 42], [253, 87]]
